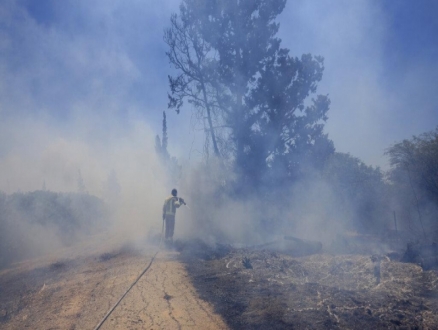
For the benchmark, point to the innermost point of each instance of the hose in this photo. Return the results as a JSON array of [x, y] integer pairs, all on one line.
[[132, 285]]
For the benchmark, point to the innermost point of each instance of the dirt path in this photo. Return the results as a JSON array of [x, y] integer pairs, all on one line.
[[76, 294]]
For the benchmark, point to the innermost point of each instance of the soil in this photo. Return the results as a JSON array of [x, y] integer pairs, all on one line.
[[77, 293], [219, 287]]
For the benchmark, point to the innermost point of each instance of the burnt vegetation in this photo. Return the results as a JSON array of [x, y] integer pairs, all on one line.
[[255, 288]]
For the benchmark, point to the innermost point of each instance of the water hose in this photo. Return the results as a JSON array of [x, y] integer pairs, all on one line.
[[133, 283]]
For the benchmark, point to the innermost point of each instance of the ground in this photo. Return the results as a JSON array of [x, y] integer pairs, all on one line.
[[261, 289], [77, 293], [219, 287]]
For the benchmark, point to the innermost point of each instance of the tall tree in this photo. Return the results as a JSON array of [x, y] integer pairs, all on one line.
[[414, 176], [170, 163], [161, 144], [191, 55], [417, 158], [253, 93]]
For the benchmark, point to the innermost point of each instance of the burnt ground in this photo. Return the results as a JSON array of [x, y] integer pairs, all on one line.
[[261, 289]]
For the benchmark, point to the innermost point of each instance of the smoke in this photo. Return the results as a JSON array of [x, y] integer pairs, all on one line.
[[82, 90], [78, 105], [351, 40], [122, 170], [316, 207], [377, 70]]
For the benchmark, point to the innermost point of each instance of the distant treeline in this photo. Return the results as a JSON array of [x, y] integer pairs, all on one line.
[[340, 194], [36, 222]]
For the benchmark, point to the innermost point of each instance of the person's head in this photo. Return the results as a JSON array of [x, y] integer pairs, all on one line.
[[174, 192]]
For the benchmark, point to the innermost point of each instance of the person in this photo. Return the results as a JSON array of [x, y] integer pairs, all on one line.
[[171, 203]]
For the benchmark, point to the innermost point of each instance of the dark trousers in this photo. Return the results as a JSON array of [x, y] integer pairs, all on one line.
[[170, 226]]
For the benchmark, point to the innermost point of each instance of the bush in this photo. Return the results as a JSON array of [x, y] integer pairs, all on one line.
[[36, 222]]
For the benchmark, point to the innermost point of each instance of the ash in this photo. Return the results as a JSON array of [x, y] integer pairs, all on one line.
[[265, 289]]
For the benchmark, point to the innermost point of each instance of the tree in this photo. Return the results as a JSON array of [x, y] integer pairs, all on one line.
[[170, 163], [81, 185], [414, 176], [161, 144], [360, 190], [234, 72], [418, 159], [190, 54]]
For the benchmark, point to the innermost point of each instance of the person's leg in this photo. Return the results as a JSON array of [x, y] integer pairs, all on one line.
[[171, 227], [167, 232]]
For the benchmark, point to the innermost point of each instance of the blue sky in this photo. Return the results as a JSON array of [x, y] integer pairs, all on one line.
[[381, 68], [89, 70]]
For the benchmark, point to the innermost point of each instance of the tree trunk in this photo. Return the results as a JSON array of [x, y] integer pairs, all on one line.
[[210, 123]]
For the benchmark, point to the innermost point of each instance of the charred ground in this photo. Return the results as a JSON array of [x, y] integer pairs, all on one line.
[[261, 289]]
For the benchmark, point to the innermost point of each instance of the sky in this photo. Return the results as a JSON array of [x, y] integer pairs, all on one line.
[[80, 78]]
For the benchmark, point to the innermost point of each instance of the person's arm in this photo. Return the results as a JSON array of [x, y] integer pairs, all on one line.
[[177, 202]]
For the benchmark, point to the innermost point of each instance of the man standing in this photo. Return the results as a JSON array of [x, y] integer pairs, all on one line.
[[171, 203]]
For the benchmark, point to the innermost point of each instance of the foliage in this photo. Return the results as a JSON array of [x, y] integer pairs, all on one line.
[[361, 191], [171, 164], [161, 144], [414, 178], [417, 159], [254, 95]]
